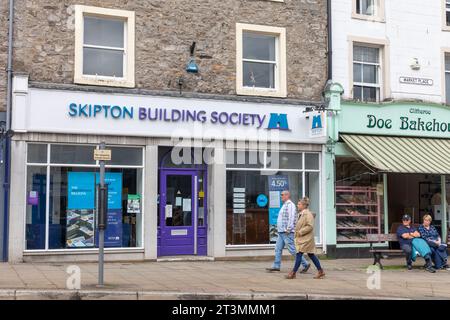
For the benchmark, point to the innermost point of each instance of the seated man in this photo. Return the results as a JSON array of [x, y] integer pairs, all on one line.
[[429, 233], [405, 234]]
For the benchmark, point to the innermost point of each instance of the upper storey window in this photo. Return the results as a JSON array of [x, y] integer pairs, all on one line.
[[104, 49], [372, 10]]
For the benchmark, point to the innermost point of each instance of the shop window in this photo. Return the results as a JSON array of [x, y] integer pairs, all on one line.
[[247, 159], [69, 222], [359, 201], [254, 197], [125, 156], [73, 154], [37, 153], [104, 46], [447, 78], [366, 73], [312, 161], [36, 207], [261, 60]]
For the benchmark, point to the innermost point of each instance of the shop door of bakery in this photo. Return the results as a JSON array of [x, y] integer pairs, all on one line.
[[181, 227]]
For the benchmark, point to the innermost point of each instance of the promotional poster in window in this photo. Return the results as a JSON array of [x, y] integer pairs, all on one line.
[[81, 231]]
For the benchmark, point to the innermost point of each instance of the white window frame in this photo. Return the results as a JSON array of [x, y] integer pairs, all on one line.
[[445, 53], [378, 85], [445, 10], [378, 11], [279, 89], [129, 47]]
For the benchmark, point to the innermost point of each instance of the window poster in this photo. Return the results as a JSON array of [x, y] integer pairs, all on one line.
[[113, 232], [277, 184], [80, 210], [134, 203]]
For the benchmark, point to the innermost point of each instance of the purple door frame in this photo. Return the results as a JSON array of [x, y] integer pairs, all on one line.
[[186, 240]]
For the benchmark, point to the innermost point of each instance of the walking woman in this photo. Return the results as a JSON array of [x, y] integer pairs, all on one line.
[[304, 239]]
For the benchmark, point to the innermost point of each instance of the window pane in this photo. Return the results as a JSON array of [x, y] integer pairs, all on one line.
[[370, 94], [125, 156], [357, 93], [447, 62], [311, 161], [37, 153], [370, 74], [103, 32], [312, 190], [284, 160], [72, 154], [245, 159], [259, 75], [367, 7], [36, 207], [72, 203], [448, 16], [103, 62], [357, 74], [366, 54], [259, 47], [447, 87]]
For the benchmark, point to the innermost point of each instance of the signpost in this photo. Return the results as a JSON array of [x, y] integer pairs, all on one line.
[[102, 155]]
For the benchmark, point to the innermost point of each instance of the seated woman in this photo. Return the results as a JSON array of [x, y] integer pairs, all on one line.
[[439, 250]]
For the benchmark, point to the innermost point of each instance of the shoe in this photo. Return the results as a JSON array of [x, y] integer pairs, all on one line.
[[409, 267], [273, 270], [430, 269], [320, 275], [291, 275], [305, 270]]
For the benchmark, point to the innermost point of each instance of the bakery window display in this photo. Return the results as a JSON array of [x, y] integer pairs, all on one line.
[[358, 213]]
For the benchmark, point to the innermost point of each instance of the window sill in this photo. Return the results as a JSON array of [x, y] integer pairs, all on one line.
[[261, 92], [446, 28], [80, 251], [104, 82], [368, 18]]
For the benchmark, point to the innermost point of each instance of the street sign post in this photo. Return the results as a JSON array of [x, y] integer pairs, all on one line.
[[102, 155]]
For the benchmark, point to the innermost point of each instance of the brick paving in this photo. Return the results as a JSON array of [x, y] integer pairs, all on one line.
[[233, 279]]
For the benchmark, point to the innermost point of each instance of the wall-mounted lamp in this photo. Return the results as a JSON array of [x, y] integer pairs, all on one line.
[[192, 66], [415, 65]]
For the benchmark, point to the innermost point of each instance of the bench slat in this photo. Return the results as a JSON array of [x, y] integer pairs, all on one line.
[[390, 237]]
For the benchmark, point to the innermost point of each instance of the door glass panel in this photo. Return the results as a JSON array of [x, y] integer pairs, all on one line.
[[201, 200], [178, 209]]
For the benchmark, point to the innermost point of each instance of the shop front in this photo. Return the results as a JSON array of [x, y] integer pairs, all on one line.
[[390, 160], [188, 177]]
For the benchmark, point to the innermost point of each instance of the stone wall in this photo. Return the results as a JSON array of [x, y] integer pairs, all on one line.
[[3, 51], [165, 29]]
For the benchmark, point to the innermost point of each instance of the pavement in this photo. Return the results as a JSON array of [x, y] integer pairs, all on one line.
[[345, 279]]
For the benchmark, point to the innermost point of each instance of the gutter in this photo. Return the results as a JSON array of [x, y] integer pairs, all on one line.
[[7, 133], [330, 41]]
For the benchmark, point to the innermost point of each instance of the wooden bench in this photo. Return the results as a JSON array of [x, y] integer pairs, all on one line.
[[379, 252]]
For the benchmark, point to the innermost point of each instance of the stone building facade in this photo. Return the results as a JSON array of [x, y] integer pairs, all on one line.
[[217, 207], [44, 41]]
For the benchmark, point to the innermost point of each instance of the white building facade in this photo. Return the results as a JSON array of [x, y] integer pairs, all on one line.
[[385, 50]]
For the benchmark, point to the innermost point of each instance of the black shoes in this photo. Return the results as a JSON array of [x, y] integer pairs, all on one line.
[[430, 268], [409, 267], [272, 269]]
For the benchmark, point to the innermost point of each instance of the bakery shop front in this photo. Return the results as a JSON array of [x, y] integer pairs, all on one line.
[[390, 159]]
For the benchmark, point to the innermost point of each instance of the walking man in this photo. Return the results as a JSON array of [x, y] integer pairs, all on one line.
[[287, 219]]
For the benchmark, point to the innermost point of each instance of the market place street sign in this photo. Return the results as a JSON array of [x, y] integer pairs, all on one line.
[[417, 81]]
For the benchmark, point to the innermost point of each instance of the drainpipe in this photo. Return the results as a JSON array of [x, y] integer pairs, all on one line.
[[330, 41], [7, 135]]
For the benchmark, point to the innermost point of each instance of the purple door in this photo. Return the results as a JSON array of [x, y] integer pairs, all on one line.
[[182, 228]]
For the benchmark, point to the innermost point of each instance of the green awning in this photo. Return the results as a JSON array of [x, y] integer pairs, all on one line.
[[401, 154]]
